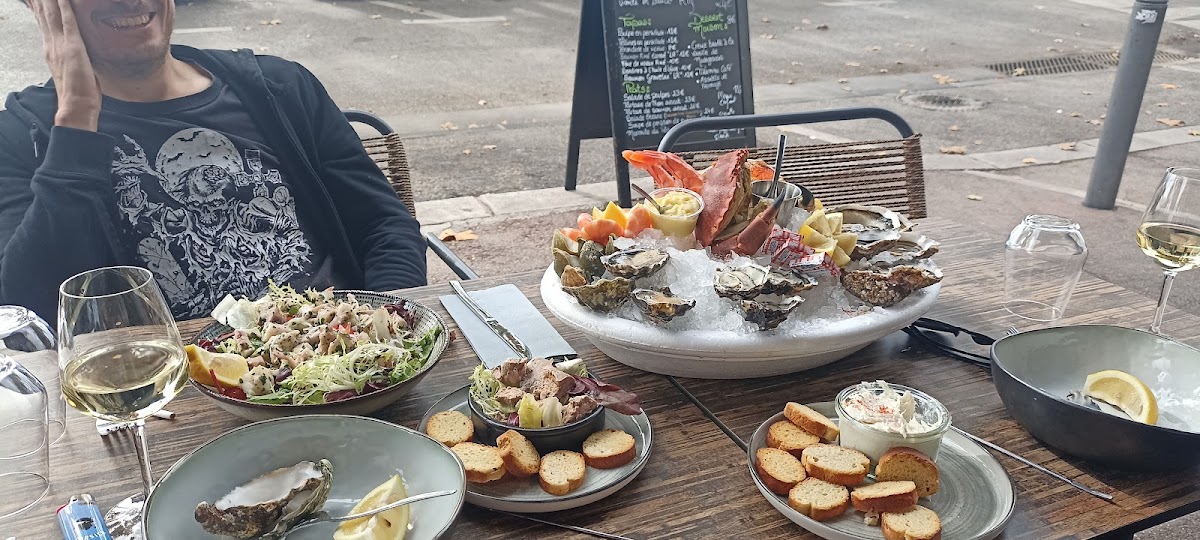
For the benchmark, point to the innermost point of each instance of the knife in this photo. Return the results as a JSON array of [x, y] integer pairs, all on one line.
[[513, 342]]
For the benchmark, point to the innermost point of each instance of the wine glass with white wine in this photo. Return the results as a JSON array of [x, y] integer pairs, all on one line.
[[1170, 230], [121, 360]]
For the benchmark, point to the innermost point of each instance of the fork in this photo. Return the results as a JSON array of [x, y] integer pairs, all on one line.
[[105, 427], [1012, 331]]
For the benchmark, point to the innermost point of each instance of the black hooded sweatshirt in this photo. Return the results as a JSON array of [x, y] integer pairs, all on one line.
[[58, 209]]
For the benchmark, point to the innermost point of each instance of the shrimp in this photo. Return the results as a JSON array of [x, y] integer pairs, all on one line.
[[667, 169]]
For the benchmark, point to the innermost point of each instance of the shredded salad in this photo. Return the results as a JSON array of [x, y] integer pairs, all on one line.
[[312, 348]]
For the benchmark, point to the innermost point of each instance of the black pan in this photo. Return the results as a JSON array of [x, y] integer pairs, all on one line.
[[1034, 371]]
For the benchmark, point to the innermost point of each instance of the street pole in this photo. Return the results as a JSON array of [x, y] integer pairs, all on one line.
[[1125, 102]]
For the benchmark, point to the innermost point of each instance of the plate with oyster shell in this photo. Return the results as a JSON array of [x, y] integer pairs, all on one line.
[[260, 479]]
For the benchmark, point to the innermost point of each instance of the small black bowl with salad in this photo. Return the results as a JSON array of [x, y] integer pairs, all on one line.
[[554, 405], [314, 352]]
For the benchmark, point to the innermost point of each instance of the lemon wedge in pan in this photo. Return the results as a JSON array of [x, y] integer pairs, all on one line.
[[1125, 392]]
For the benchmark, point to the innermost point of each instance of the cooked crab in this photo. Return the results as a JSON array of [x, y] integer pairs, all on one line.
[[603, 294], [724, 187], [660, 305], [266, 507], [635, 263], [740, 282]]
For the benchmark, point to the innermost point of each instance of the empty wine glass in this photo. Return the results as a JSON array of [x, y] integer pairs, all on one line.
[[1043, 259], [1170, 230], [121, 359]]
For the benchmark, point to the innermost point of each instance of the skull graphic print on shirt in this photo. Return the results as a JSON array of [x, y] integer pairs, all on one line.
[[207, 218]]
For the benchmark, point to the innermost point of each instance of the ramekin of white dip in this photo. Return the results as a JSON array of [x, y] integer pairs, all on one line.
[[875, 417]]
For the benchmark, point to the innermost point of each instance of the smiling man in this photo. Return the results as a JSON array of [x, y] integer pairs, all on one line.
[[216, 170]]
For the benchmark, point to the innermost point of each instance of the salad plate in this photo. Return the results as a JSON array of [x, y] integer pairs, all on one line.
[[975, 499], [417, 342], [513, 495]]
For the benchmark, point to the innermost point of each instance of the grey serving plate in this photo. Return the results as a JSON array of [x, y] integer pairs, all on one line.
[[1033, 372], [974, 501], [426, 319]]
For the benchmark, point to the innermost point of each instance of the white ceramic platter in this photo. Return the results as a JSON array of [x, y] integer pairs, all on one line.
[[524, 495], [974, 501], [729, 355]]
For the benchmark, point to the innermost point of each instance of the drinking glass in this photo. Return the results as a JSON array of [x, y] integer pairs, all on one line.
[[24, 441], [1043, 260], [121, 359], [1170, 230], [21, 330]]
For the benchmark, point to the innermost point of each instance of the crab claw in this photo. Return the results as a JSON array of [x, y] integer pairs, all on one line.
[[667, 169]]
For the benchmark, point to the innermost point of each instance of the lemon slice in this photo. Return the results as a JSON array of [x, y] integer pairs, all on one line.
[[389, 525], [1125, 392], [228, 367]]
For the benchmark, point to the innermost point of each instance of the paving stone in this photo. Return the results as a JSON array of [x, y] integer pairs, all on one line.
[[447, 210]]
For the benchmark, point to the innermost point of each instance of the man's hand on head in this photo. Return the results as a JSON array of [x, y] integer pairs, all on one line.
[[78, 90]]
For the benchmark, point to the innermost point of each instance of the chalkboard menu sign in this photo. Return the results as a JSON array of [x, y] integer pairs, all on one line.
[[670, 60], [645, 65]]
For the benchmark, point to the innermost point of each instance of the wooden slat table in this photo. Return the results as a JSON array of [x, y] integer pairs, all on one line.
[[697, 484]]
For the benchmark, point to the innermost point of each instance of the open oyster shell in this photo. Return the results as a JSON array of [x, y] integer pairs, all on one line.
[[886, 287], [635, 263], [740, 282], [912, 247], [872, 223], [267, 506], [573, 277], [787, 283], [603, 294], [768, 312], [589, 259], [660, 305]]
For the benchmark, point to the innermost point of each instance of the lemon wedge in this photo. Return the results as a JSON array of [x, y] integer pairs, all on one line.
[[228, 368], [615, 213], [1125, 392], [389, 525]]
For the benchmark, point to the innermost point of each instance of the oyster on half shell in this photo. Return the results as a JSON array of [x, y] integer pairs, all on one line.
[[740, 282], [872, 223], [635, 263], [886, 287], [660, 305], [912, 246], [787, 283], [602, 294], [267, 506], [768, 312]]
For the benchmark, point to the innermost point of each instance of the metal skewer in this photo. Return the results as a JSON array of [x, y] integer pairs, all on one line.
[[1077, 485], [643, 193], [581, 530]]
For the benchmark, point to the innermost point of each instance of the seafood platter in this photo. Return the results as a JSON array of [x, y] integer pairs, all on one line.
[[707, 278], [289, 352]]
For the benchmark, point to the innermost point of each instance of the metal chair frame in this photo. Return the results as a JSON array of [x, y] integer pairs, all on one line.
[[388, 153]]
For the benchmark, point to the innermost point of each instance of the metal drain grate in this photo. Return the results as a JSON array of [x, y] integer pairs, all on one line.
[[1072, 64], [938, 102]]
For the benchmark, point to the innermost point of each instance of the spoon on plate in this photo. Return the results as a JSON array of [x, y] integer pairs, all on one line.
[[324, 517]]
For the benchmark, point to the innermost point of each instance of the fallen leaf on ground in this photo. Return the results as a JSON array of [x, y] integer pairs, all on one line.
[[943, 79], [843, 81], [952, 128], [975, 197], [1194, 132], [450, 235], [953, 150], [1103, 116], [766, 19], [482, 102], [791, 81], [467, 151], [1029, 161], [883, 70], [1168, 86], [489, 147], [1162, 104], [376, 16], [822, 27], [1075, 115], [1087, 92], [1169, 122], [1018, 72], [797, 28], [247, 27], [1095, 122], [873, 48], [1067, 146], [263, 49], [852, 64], [472, 126], [449, 125], [768, 36], [805, 21], [978, 142]]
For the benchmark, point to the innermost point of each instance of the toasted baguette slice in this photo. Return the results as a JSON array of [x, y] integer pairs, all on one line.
[[811, 421], [520, 457], [904, 463], [609, 449], [836, 464], [450, 428], [482, 463], [778, 469], [789, 437], [885, 497], [917, 523], [819, 499], [561, 472]]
